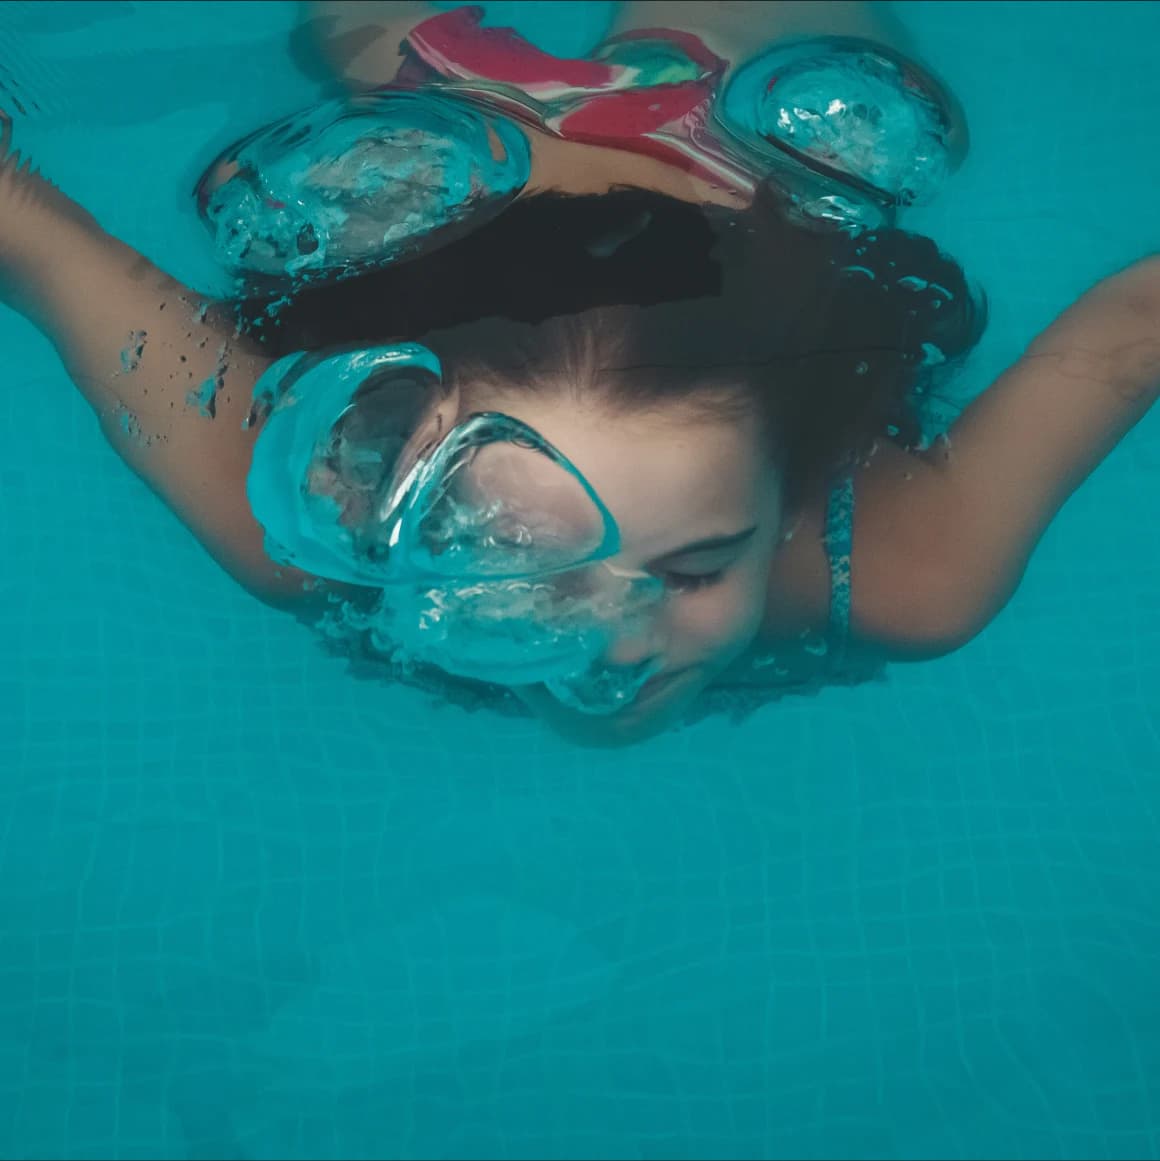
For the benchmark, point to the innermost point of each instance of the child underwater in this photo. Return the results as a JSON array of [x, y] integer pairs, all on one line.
[[549, 384]]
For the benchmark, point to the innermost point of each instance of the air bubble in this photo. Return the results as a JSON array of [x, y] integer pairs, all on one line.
[[816, 646]]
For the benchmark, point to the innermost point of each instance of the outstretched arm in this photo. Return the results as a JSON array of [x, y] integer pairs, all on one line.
[[161, 368], [1027, 443], [942, 542]]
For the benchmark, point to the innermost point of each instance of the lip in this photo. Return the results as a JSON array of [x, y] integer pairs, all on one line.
[[657, 685], [538, 698]]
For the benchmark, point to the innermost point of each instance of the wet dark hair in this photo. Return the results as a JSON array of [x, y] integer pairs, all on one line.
[[641, 301]]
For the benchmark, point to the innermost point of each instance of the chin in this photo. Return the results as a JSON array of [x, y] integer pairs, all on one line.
[[634, 724]]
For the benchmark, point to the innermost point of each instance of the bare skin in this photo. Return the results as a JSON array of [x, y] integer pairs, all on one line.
[[941, 539]]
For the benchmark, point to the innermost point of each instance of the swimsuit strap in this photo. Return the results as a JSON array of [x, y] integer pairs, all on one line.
[[839, 541]]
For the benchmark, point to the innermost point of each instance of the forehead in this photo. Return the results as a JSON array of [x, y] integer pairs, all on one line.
[[667, 477]]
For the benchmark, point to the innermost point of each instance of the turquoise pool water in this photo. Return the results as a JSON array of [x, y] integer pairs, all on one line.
[[251, 908]]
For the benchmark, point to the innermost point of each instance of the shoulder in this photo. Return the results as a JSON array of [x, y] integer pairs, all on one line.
[[908, 600], [906, 603]]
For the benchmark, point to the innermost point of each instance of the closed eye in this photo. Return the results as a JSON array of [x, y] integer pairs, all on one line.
[[684, 582], [721, 550]]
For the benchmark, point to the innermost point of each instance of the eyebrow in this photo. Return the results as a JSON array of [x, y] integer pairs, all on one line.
[[711, 542]]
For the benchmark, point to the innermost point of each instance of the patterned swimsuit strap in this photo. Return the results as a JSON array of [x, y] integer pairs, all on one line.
[[839, 539]]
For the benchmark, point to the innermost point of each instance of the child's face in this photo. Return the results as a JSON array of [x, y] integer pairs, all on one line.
[[671, 481]]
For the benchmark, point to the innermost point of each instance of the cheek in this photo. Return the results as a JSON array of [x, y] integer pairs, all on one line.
[[718, 617]]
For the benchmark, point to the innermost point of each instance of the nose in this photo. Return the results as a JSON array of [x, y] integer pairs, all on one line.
[[639, 638], [637, 645], [631, 651]]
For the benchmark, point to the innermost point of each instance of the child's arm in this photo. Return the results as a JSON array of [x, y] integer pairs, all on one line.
[[1026, 444], [170, 384], [981, 499]]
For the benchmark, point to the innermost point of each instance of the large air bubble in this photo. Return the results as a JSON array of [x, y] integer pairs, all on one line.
[[850, 106], [355, 183]]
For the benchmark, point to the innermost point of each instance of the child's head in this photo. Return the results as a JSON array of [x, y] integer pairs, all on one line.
[[705, 370]]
